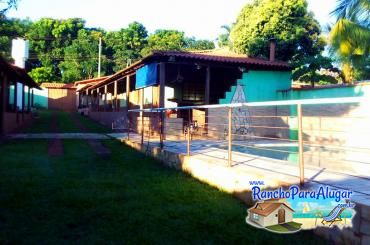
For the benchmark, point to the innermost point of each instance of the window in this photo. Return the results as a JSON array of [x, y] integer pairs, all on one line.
[[148, 95], [193, 92], [256, 217]]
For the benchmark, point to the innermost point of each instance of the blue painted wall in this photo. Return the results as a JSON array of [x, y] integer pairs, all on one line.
[[351, 91], [260, 86]]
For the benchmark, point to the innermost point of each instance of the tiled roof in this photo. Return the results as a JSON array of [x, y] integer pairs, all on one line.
[[85, 86], [17, 74], [92, 80], [58, 85], [211, 56], [265, 209], [224, 57]]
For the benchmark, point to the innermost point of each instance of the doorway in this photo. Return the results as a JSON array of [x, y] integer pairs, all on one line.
[[281, 216]]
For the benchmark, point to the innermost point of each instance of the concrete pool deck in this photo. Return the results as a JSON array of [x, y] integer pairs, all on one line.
[[276, 171], [208, 163]]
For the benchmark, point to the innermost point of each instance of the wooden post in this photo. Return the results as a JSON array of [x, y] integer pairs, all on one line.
[[127, 93], [23, 102], [87, 98], [162, 120], [105, 97], [32, 98], [230, 145], [115, 96], [15, 96], [162, 85], [3, 98], [206, 96], [300, 144], [98, 97], [29, 100], [189, 137], [128, 105], [207, 85], [128, 127], [142, 114]]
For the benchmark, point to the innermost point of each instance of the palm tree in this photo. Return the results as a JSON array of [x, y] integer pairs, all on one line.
[[318, 214], [6, 5], [349, 37], [224, 38]]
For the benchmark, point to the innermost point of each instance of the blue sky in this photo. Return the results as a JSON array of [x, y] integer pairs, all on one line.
[[199, 18]]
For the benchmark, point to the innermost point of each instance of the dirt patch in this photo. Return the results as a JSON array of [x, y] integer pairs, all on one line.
[[55, 145], [96, 145]]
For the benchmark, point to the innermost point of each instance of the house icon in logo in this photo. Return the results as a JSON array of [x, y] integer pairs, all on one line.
[[270, 212]]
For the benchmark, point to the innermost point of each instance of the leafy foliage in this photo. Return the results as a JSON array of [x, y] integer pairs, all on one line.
[[349, 38], [10, 28], [6, 5], [224, 38], [297, 33], [42, 74], [165, 40], [193, 44], [80, 58], [70, 50], [126, 44]]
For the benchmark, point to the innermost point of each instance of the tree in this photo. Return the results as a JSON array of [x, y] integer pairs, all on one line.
[[126, 44], [316, 70], [349, 38], [6, 5], [42, 74], [193, 44], [296, 31], [49, 36], [81, 57], [165, 40], [224, 38], [9, 29]]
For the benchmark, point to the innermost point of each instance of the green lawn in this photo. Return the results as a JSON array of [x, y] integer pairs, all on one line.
[[64, 122], [130, 198], [93, 126], [280, 228]]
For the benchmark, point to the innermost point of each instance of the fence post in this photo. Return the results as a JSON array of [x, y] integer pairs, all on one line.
[[162, 128], [229, 152], [189, 137], [300, 145], [128, 126], [142, 127]]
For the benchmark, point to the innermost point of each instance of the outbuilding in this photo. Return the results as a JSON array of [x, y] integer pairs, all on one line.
[[16, 97]]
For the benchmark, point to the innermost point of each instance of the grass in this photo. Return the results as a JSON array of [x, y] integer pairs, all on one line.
[[93, 126], [277, 228], [295, 225], [41, 124], [65, 124], [280, 228], [129, 198]]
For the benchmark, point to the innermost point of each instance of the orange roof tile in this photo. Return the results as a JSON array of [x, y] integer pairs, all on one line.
[[58, 85], [92, 80], [265, 209]]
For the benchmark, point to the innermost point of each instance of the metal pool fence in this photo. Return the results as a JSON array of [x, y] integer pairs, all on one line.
[[325, 133]]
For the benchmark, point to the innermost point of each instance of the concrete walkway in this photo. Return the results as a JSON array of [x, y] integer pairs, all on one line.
[[60, 136]]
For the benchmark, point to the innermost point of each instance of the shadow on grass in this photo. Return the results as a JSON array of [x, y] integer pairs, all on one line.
[[130, 198]]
